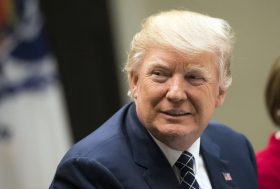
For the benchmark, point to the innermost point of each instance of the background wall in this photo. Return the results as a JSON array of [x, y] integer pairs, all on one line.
[[257, 28], [80, 37]]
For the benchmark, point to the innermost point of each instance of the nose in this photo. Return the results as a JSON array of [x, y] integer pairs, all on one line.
[[177, 91]]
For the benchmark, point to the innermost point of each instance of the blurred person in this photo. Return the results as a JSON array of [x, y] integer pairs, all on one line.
[[178, 71], [268, 159]]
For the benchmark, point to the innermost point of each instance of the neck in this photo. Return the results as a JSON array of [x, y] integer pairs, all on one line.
[[277, 135]]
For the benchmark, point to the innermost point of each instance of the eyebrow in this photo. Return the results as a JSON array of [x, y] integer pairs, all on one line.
[[198, 69], [190, 68], [157, 63]]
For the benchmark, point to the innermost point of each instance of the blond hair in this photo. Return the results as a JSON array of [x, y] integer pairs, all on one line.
[[187, 32]]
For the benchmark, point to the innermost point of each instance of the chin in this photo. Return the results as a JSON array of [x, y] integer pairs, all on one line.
[[178, 129], [180, 143], [178, 137], [175, 131]]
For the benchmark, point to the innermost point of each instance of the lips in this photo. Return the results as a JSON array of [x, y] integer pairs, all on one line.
[[176, 113]]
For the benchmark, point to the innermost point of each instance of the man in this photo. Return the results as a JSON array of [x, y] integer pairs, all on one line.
[[179, 71]]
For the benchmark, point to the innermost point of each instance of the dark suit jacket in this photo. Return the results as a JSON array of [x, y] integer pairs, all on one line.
[[122, 154]]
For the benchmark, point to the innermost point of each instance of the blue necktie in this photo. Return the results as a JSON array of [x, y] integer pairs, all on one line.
[[187, 177]]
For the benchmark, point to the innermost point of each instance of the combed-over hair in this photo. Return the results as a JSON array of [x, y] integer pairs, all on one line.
[[187, 32]]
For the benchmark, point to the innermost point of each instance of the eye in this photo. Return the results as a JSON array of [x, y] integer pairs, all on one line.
[[195, 79], [159, 75]]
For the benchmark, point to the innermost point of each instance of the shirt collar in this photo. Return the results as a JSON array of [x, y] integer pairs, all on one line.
[[173, 155]]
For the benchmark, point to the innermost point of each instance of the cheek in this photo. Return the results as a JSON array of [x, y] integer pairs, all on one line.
[[150, 91], [212, 92], [204, 100]]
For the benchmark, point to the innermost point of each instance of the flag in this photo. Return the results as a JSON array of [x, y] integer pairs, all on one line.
[[34, 129], [227, 177]]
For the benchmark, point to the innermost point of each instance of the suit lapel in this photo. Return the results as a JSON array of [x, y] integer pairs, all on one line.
[[218, 171], [161, 177], [155, 168]]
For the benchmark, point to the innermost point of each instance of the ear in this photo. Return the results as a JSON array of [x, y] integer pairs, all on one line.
[[220, 98], [133, 84]]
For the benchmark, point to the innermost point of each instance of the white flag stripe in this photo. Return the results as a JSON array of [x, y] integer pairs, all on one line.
[[39, 138]]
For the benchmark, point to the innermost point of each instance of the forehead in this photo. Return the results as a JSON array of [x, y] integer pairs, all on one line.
[[169, 58]]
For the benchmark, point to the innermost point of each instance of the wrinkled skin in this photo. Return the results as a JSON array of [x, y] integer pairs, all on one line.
[[175, 95]]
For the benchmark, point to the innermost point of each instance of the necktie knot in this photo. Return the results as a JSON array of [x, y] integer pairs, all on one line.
[[185, 166]]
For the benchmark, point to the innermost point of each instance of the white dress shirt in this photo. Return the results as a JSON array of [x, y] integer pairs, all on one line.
[[199, 166]]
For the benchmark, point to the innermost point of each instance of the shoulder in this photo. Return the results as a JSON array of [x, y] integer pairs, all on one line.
[[228, 140], [268, 160], [95, 161], [102, 143], [90, 163]]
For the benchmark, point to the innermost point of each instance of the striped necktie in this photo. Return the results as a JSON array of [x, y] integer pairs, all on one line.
[[185, 165]]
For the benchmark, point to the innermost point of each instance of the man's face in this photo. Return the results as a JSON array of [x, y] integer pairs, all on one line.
[[176, 95]]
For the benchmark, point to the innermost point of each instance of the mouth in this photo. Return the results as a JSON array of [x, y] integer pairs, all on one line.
[[176, 113]]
